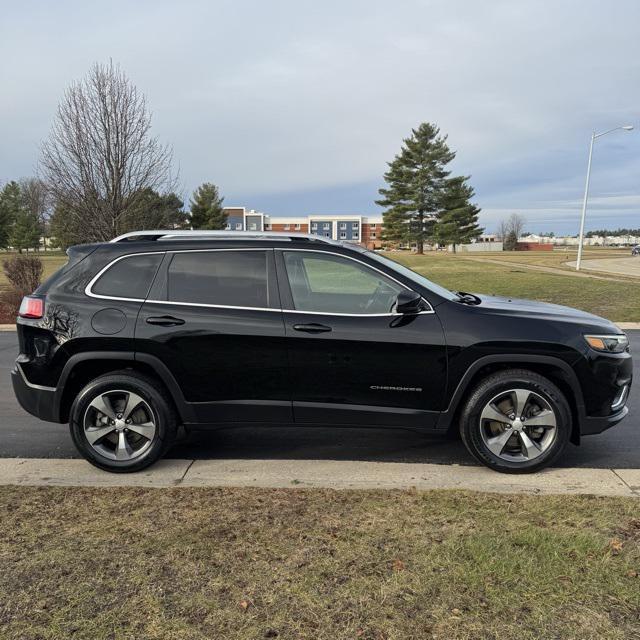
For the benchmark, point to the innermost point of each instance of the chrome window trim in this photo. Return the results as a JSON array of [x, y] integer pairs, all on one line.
[[90, 293]]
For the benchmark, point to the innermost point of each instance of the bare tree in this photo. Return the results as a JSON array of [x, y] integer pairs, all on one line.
[[515, 224], [503, 230], [100, 157]]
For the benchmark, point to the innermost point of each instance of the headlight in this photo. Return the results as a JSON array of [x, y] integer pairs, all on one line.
[[616, 343]]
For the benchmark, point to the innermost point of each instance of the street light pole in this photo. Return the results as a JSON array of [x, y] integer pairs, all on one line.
[[594, 135], [584, 203]]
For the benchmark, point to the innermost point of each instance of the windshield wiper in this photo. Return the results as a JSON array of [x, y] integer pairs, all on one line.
[[468, 298]]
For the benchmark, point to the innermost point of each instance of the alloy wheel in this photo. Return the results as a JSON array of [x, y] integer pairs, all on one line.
[[119, 425], [518, 425]]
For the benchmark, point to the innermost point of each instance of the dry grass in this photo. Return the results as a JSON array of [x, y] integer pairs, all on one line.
[[617, 298], [51, 260], [614, 298], [317, 564]]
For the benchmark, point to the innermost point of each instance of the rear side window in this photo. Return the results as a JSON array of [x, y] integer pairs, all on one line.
[[226, 278], [130, 277]]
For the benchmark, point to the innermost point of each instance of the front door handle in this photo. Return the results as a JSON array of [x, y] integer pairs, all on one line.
[[165, 321], [313, 327]]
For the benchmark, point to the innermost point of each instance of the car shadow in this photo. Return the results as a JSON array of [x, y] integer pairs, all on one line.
[[372, 444]]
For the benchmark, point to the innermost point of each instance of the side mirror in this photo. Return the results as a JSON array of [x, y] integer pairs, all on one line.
[[409, 302]]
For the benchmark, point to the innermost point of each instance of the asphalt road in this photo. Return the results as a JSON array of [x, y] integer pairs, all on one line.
[[21, 435]]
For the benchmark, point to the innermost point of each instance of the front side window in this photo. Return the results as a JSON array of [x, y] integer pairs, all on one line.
[[130, 277], [225, 278], [328, 283]]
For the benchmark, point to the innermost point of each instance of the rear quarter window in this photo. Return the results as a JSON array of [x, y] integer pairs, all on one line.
[[129, 277]]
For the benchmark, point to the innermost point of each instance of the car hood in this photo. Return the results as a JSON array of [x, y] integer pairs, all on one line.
[[543, 310]]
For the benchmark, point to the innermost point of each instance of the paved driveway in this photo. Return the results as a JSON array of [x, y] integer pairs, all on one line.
[[24, 436], [619, 266]]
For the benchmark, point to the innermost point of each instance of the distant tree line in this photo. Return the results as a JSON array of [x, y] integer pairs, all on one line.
[[616, 232], [101, 174], [423, 203]]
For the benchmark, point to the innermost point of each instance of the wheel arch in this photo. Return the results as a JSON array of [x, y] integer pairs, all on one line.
[[84, 367], [557, 370]]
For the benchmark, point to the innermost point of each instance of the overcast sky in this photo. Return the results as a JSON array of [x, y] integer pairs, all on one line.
[[295, 106]]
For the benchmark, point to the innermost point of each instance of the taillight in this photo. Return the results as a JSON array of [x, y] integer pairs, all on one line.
[[31, 307]]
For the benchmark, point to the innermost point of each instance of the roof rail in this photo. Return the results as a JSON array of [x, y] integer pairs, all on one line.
[[203, 234]]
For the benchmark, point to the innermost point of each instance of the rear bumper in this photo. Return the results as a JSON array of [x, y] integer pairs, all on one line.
[[35, 399]]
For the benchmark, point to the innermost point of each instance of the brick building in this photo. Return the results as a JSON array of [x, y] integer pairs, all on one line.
[[356, 228]]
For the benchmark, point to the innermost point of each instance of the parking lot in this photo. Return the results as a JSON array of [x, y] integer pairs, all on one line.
[[22, 435]]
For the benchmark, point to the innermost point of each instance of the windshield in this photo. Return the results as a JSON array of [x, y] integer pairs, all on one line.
[[416, 277]]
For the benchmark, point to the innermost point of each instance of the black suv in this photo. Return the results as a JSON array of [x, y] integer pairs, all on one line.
[[155, 329]]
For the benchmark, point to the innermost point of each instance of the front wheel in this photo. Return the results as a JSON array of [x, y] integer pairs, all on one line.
[[516, 421], [122, 422]]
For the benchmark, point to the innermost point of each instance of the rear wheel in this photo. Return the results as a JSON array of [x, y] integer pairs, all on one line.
[[516, 421], [123, 422]]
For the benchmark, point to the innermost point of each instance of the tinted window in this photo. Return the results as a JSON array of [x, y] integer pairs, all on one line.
[[332, 284], [130, 277], [230, 278]]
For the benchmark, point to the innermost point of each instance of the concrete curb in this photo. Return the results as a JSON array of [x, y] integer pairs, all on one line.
[[329, 474], [7, 327]]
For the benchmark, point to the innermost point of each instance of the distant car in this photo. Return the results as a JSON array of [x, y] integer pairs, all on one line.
[[636, 250]]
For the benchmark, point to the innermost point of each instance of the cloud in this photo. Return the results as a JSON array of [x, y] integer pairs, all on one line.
[[298, 101]]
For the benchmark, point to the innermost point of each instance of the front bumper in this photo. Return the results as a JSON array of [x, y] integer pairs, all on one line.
[[36, 399], [590, 426]]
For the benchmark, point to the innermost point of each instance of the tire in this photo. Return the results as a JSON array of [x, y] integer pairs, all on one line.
[[509, 444], [99, 427]]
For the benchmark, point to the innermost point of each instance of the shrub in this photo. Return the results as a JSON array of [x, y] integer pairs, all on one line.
[[24, 274]]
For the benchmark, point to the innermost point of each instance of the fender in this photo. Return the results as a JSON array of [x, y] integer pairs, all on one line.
[[184, 409], [446, 417]]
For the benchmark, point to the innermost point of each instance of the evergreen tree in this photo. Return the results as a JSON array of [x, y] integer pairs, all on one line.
[[25, 233], [206, 208], [416, 182], [154, 211], [65, 228], [10, 206], [457, 222]]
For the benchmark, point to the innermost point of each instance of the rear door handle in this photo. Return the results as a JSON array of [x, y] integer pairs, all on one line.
[[313, 327], [165, 321]]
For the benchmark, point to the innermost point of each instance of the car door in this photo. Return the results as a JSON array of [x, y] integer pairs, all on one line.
[[353, 360], [213, 318]]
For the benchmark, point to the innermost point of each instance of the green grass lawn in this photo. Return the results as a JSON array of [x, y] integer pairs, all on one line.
[[241, 564], [618, 300]]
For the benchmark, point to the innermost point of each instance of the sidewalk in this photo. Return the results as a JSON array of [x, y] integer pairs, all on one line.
[[322, 474]]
